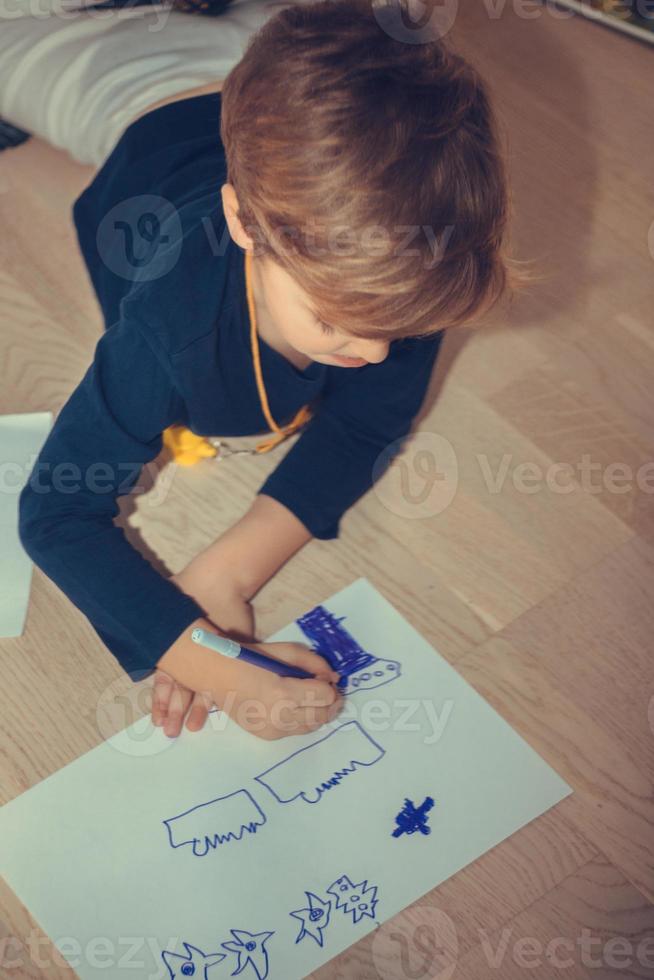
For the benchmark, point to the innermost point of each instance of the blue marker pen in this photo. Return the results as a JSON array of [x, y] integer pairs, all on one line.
[[230, 648]]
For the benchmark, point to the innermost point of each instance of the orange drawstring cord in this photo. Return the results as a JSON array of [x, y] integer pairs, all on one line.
[[187, 448]]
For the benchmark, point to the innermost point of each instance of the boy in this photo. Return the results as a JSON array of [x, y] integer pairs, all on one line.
[[241, 305]]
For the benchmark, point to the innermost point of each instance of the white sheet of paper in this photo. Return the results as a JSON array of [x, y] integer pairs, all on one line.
[[251, 838], [21, 438]]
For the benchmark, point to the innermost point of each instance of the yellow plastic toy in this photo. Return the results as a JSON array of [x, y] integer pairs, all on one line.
[[186, 447]]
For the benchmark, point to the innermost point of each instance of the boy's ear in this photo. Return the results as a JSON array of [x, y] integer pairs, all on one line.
[[230, 209]]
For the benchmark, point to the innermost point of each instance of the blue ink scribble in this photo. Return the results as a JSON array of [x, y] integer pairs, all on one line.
[[355, 900], [359, 670], [412, 818], [250, 947], [332, 758], [216, 822], [314, 918], [194, 965]]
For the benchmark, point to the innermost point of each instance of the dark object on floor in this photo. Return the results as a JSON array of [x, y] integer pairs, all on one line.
[[210, 8], [11, 135]]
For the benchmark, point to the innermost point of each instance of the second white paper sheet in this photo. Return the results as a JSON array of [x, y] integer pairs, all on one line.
[[21, 439]]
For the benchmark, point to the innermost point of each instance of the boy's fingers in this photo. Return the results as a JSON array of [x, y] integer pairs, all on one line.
[[302, 720], [312, 661], [310, 693], [161, 691], [198, 713], [300, 655], [177, 708]]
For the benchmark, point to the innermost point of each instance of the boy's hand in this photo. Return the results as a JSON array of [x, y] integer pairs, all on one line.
[[260, 701], [171, 700], [271, 706], [223, 578]]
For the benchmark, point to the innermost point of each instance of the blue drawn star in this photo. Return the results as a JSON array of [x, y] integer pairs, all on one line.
[[250, 947], [194, 965], [314, 918]]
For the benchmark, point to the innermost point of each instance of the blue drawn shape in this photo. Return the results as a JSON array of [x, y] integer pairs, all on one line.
[[208, 825], [314, 918], [355, 900], [412, 818], [250, 947], [194, 965], [359, 670], [331, 759]]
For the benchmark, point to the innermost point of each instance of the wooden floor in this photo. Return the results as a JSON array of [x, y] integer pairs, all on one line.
[[543, 600]]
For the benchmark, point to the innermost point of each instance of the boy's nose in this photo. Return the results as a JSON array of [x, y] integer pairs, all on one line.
[[374, 351]]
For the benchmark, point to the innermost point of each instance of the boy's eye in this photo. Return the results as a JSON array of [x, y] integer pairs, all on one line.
[[324, 326]]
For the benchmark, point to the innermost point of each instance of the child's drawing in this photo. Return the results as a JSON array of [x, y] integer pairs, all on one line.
[[206, 826], [250, 947], [317, 839], [314, 918], [412, 818], [319, 767], [359, 670], [194, 965], [355, 900]]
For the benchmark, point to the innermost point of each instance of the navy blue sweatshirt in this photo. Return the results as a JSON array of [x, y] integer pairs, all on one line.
[[171, 284]]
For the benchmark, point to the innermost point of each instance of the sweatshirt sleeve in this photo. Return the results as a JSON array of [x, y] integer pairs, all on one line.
[[107, 430], [332, 463]]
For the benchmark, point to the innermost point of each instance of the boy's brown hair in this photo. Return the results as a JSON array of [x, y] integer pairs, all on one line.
[[369, 169]]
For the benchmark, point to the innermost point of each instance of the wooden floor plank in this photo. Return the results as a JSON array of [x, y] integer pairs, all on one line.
[[612, 805], [592, 924]]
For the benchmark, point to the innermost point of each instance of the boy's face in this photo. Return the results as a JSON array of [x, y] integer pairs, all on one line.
[[289, 314], [285, 312]]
